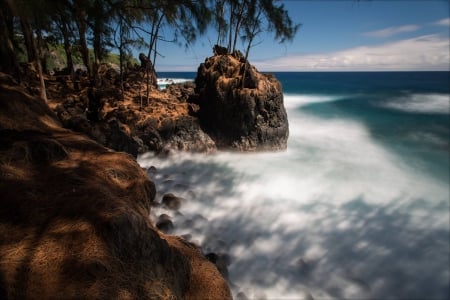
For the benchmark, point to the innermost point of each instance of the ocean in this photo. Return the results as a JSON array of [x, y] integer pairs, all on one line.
[[357, 207]]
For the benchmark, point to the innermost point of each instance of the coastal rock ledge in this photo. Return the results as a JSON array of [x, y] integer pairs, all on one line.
[[241, 112], [74, 218]]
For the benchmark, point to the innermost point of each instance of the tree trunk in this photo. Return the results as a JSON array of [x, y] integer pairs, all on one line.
[[230, 37], [121, 54], [152, 38], [67, 48], [39, 67], [29, 40], [11, 64], [219, 8], [238, 25], [97, 48], [81, 24]]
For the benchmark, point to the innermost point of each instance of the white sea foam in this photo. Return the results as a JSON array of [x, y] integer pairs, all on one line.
[[422, 103], [163, 82], [332, 217], [294, 101]]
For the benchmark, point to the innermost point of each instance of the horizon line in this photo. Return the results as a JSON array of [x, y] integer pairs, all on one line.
[[314, 71]]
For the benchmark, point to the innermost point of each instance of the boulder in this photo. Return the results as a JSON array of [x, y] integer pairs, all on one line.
[[172, 202], [185, 134], [120, 139], [164, 223], [239, 107]]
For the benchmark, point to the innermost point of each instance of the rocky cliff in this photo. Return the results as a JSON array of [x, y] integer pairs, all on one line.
[[239, 107], [74, 218]]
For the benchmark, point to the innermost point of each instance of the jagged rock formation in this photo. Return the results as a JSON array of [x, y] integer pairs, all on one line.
[[243, 112], [132, 124], [74, 218]]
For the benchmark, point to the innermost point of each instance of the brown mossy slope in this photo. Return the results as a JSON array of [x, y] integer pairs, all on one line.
[[74, 218]]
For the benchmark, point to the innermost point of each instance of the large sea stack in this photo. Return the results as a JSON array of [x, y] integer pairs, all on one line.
[[241, 112]]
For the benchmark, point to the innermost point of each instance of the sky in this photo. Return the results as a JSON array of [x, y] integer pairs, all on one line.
[[342, 35]]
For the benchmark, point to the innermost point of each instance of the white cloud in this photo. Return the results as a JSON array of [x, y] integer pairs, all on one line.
[[387, 32], [443, 22], [430, 52]]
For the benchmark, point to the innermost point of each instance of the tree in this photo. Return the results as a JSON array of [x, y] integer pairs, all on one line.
[[80, 17], [34, 19], [100, 16], [220, 22], [9, 61], [249, 18], [64, 26]]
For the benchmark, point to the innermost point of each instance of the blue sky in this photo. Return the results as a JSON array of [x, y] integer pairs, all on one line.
[[343, 36]]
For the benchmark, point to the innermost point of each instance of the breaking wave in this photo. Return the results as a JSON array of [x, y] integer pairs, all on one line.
[[421, 103], [336, 216]]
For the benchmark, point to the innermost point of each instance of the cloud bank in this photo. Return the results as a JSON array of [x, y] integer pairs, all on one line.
[[423, 53], [443, 22], [388, 32]]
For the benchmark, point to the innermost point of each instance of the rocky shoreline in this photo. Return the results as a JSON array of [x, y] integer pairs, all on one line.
[[74, 217], [218, 111], [82, 193]]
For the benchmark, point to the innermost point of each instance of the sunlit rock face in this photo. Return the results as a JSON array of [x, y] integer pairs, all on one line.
[[241, 112]]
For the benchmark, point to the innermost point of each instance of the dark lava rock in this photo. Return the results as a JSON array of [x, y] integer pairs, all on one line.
[[171, 201], [183, 91], [240, 108], [164, 223], [241, 296], [152, 170]]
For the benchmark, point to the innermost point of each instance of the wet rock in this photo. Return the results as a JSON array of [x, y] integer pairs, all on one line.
[[241, 296], [197, 222], [180, 187], [171, 201], [164, 223], [187, 237], [191, 194], [152, 170]]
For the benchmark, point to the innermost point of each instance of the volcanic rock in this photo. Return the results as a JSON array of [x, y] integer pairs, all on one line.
[[240, 108], [164, 223], [164, 123], [171, 201], [74, 218]]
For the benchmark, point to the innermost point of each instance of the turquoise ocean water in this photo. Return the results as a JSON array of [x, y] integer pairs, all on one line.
[[356, 208]]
